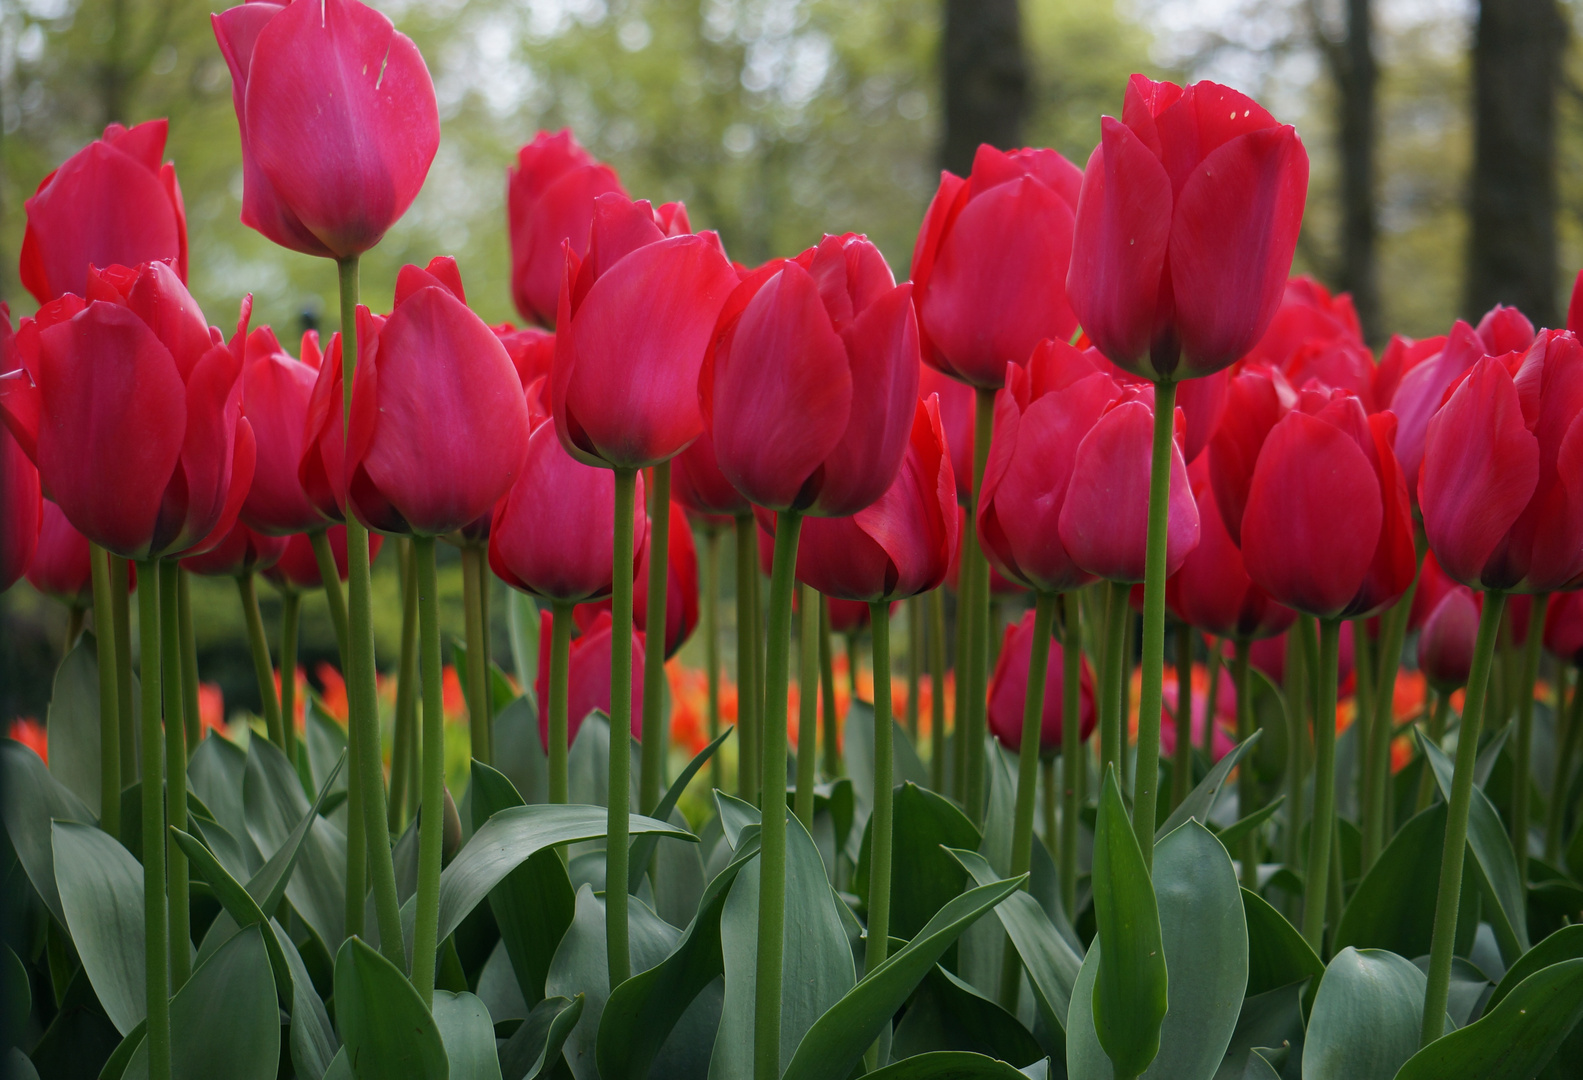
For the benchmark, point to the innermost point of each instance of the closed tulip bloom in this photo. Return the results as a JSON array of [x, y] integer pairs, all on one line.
[[1433, 584], [1564, 626], [811, 386], [1445, 645], [1104, 521], [131, 407], [847, 616], [532, 350], [1502, 482], [635, 317], [60, 566], [698, 484], [20, 510], [276, 389], [956, 415], [241, 551], [1212, 590], [298, 567], [1203, 403], [439, 422], [989, 268], [550, 195], [1256, 399], [1309, 314], [1041, 419], [1328, 529], [999, 584], [1401, 355], [1008, 687], [1189, 216], [1422, 391], [587, 677], [338, 121], [111, 203], [901, 544], [681, 589]]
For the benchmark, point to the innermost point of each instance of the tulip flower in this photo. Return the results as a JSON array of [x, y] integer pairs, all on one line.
[[532, 351], [550, 195], [1445, 645], [989, 268], [847, 616], [297, 570], [681, 594], [112, 203], [338, 120], [588, 676], [61, 567], [1563, 634], [1008, 688], [1401, 355], [20, 502], [1185, 229], [241, 551], [275, 393], [1308, 314], [1256, 400], [956, 415], [699, 485]]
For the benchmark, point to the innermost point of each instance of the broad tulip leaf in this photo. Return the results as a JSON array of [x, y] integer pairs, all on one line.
[[518, 754], [383, 1022], [18, 1066], [1237, 831], [642, 847], [735, 816], [837, 1040], [16, 997], [30, 798], [924, 877], [949, 1065], [1393, 906], [1366, 1017], [857, 751], [73, 723], [1515, 1039], [275, 805], [80, 1042], [537, 1042], [1277, 954], [1565, 944], [217, 774], [101, 890], [948, 1014], [238, 907], [1202, 798], [313, 1039], [468, 1035], [588, 763]]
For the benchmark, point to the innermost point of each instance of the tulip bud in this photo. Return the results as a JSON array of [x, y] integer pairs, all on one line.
[[1008, 688], [297, 569], [587, 677], [957, 409], [61, 565], [240, 552], [1445, 646]]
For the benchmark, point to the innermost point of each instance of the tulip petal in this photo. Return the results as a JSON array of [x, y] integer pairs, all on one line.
[[915, 521], [1395, 561], [214, 399], [276, 390], [21, 509]]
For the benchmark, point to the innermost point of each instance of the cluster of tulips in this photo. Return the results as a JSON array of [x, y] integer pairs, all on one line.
[[1098, 386]]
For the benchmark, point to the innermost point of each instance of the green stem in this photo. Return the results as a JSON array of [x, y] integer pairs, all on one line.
[[1393, 631], [807, 704], [937, 689], [1363, 773], [290, 623], [156, 929], [854, 661], [1047, 786], [974, 563], [832, 722], [1147, 779], [189, 661], [1437, 730], [1246, 792], [711, 619], [560, 665], [1212, 698], [1073, 761], [109, 714], [1182, 766], [915, 650], [772, 856], [126, 717], [963, 643], [1455, 850], [651, 778], [1111, 714], [404, 753], [1555, 823], [1300, 645], [330, 578], [263, 667], [431, 814], [620, 798], [169, 645], [747, 656], [1525, 733], [1316, 883], [477, 653], [880, 824]]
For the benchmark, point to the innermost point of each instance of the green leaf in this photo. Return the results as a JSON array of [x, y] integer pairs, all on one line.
[[276, 805], [325, 739], [1237, 831], [857, 751], [217, 774], [313, 1041], [16, 997], [1366, 1017], [537, 1042], [924, 876], [223, 1021], [948, 1065], [1468, 987], [642, 847], [588, 763], [238, 907], [101, 891], [80, 1040], [468, 1035], [1565, 944], [386, 1029], [1493, 854], [1129, 995], [1259, 1068], [1202, 798], [1394, 905], [1277, 954], [735, 816], [18, 1066], [838, 1039], [518, 754], [30, 798], [1515, 1039], [948, 1014], [73, 723]]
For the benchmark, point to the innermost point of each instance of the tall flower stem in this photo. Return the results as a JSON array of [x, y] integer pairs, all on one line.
[[1028, 776], [431, 820], [1047, 788], [1556, 819], [169, 646], [854, 664], [560, 665], [1247, 793], [827, 702], [1456, 843], [937, 689], [748, 697], [156, 929], [334, 598], [290, 624], [616, 855], [1316, 886], [959, 662], [1146, 783], [1438, 713], [974, 564], [772, 856], [189, 661], [368, 809], [121, 642], [879, 881], [405, 748], [1073, 760], [915, 650], [1364, 669], [1212, 698], [807, 703], [1182, 766], [1376, 813], [711, 620], [1111, 717], [263, 666], [656, 739], [477, 653], [109, 700], [1300, 645], [1525, 733]]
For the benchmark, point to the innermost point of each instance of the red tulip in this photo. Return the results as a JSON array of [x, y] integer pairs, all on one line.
[[1104, 521], [1185, 231], [61, 566], [1269, 656], [1564, 622], [1433, 584], [957, 417], [1445, 647], [991, 260], [1308, 315], [298, 568], [1401, 356], [681, 590], [1328, 529], [1502, 484], [1256, 399], [698, 484], [1008, 689], [275, 394], [811, 385], [634, 320], [20, 509], [532, 351], [131, 408], [338, 121], [902, 543], [241, 551], [550, 195], [999, 584], [587, 677], [1040, 420], [1212, 590], [846, 616], [439, 423], [1203, 403], [110, 203]]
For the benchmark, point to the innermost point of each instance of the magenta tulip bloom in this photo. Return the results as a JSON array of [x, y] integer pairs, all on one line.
[[1008, 688], [532, 351], [20, 511], [112, 203], [1564, 626], [1308, 313], [587, 677], [338, 121], [298, 567], [698, 484], [1446, 643], [550, 195], [989, 269], [240, 552], [811, 386], [635, 318], [1502, 482], [681, 588], [1185, 231], [276, 390], [956, 416], [1256, 399], [1212, 590]]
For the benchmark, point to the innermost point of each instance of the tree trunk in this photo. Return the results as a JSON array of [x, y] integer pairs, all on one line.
[[1357, 127], [1512, 240], [985, 79]]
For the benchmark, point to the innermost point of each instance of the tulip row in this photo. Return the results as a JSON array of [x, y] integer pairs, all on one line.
[[1095, 379]]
